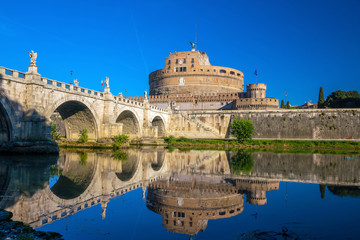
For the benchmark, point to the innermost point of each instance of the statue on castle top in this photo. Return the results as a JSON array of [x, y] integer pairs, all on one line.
[[106, 82], [76, 82], [145, 94], [33, 56], [193, 46]]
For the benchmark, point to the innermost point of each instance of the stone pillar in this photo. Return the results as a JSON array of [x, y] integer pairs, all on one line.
[[109, 127]]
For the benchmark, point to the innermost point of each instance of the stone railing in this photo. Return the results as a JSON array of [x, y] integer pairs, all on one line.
[[72, 88], [61, 86], [11, 73]]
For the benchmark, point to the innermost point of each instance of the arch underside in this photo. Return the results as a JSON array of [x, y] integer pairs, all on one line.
[[75, 179], [77, 117], [128, 168], [4, 125], [158, 122], [159, 161], [130, 123]]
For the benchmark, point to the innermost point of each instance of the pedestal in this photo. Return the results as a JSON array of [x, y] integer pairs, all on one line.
[[33, 70]]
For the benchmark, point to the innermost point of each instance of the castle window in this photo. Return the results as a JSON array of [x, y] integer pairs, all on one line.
[[169, 62], [180, 69], [185, 60], [192, 60], [214, 70], [222, 71], [192, 65], [177, 61], [232, 73], [238, 74]]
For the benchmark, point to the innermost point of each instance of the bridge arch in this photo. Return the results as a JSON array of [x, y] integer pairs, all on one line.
[[129, 168], [131, 123], [159, 122], [77, 115], [6, 119], [76, 179], [158, 163]]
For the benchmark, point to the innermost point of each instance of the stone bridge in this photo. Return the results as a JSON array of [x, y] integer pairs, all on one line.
[[28, 100]]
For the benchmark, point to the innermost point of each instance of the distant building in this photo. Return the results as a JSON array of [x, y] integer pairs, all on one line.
[[189, 82], [307, 105]]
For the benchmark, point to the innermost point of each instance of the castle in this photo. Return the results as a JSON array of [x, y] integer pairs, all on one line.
[[189, 82]]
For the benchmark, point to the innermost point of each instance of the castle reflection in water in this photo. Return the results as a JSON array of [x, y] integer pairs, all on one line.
[[187, 188]]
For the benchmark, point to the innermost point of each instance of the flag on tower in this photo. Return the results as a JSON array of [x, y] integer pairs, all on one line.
[[102, 82], [255, 72]]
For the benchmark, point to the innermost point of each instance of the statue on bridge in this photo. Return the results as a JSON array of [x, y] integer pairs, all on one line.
[[33, 56], [76, 82]]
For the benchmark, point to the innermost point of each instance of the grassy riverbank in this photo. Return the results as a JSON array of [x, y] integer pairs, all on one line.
[[231, 144], [266, 145]]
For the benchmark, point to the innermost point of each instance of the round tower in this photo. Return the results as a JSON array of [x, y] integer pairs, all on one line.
[[191, 73], [256, 90]]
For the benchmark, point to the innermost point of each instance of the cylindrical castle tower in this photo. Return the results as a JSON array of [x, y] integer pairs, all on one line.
[[256, 90], [191, 73]]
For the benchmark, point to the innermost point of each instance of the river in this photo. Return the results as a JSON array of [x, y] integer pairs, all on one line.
[[156, 193]]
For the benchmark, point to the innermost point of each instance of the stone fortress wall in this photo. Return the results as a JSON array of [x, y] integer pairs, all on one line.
[[270, 124]]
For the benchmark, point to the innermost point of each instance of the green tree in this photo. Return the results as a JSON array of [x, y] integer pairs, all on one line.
[[282, 104], [288, 105], [83, 136], [321, 100], [342, 99], [242, 129], [242, 162], [322, 190]]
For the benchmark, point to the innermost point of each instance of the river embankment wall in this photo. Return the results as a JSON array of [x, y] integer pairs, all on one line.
[[311, 124]]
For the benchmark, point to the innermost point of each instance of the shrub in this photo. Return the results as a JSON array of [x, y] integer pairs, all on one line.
[[242, 129], [170, 139], [83, 136], [120, 155], [119, 140], [242, 162], [83, 158], [54, 135]]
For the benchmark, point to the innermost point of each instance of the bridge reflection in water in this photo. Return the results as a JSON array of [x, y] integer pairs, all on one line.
[[187, 188]]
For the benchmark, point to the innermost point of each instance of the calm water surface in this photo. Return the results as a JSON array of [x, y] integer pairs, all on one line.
[[160, 194]]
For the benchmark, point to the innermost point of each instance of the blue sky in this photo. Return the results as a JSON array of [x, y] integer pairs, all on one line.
[[294, 45]]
